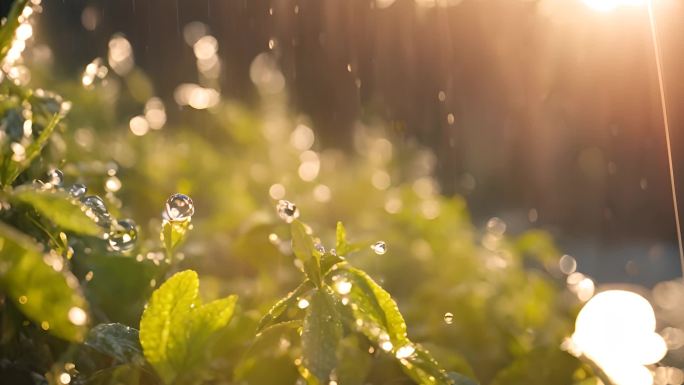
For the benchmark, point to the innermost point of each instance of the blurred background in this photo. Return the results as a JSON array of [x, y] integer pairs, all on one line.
[[544, 113]]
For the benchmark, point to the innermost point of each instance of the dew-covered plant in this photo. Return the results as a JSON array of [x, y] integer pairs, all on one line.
[[88, 296]]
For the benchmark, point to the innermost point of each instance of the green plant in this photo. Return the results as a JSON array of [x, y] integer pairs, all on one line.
[[75, 278]]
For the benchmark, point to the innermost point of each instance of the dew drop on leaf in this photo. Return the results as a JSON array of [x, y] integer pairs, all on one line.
[[77, 190], [55, 177], [179, 207], [123, 235], [405, 351], [448, 318], [379, 247], [303, 303], [287, 211], [95, 209]]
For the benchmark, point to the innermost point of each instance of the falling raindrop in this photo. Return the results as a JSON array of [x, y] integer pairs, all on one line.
[[95, 208], [123, 235], [77, 190], [287, 211], [448, 318], [379, 247], [179, 207], [55, 177]]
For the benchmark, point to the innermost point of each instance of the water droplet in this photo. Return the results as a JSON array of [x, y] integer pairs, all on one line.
[[386, 346], [496, 226], [179, 207], [343, 286], [23, 299], [320, 248], [303, 303], [78, 190], [64, 378], [448, 318], [379, 247], [55, 177], [123, 235], [405, 351], [95, 209], [77, 316], [113, 184], [287, 211]]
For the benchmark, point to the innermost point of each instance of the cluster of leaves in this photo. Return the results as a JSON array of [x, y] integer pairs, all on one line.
[[510, 311]]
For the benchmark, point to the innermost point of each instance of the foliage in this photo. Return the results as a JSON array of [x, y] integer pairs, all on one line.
[[77, 303]]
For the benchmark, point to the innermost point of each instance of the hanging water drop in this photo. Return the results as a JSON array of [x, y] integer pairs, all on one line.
[[448, 318], [77, 190], [287, 211], [179, 207], [405, 351], [55, 177], [379, 247], [95, 209], [123, 235]]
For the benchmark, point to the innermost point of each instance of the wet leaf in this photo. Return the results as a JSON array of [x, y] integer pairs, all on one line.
[[59, 208], [167, 313], [283, 304], [321, 335], [176, 329], [11, 168], [173, 233], [43, 294], [304, 250], [117, 341], [7, 30]]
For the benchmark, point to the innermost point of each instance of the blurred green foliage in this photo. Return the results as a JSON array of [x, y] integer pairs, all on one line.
[[510, 307]]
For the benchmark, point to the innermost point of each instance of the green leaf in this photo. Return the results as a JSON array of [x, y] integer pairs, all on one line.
[[168, 312], [261, 360], [7, 30], [341, 244], [173, 233], [175, 329], [354, 362], [424, 369], [321, 335], [12, 168], [46, 294], [283, 304], [304, 250], [381, 321], [117, 341], [375, 304], [205, 321], [59, 208]]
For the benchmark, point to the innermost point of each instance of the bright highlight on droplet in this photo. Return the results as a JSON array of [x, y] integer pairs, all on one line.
[[615, 329], [448, 318], [379, 247], [77, 316], [303, 303]]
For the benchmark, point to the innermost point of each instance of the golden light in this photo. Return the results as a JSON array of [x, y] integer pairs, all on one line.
[[609, 5], [616, 330]]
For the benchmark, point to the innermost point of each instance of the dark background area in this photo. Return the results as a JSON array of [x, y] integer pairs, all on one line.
[[555, 106]]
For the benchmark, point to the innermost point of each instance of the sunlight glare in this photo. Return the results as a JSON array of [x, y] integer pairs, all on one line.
[[610, 5]]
